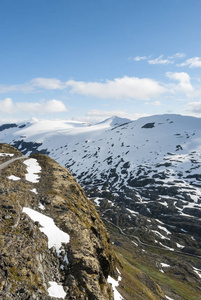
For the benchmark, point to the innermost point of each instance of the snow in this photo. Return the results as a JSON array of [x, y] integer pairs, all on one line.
[[164, 229], [160, 235], [168, 297], [115, 283], [163, 265], [55, 235], [6, 154], [132, 211], [180, 246], [41, 206], [13, 177], [171, 249], [93, 150], [33, 169], [34, 191], [197, 271], [56, 290], [98, 201]]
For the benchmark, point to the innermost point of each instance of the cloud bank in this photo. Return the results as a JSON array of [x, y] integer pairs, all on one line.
[[53, 106], [119, 88], [184, 85], [160, 61], [194, 62]]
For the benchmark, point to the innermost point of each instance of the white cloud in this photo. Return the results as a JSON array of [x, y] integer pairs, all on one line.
[[138, 58], [193, 108], [48, 83], [34, 85], [52, 106], [184, 84], [156, 103], [177, 55], [119, 88], [6, 105], [194, 62], [160, 61], [55, 106], [23, 88]]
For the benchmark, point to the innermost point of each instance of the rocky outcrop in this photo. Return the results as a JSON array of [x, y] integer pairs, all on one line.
[[28, 265]]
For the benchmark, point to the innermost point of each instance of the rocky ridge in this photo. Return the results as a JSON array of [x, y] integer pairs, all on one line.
[[28, 266]]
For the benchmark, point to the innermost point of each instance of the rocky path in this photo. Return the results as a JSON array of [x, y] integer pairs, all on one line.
[[5, 164]]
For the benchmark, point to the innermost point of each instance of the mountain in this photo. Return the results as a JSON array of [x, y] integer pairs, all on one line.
[[144, 178], [53, 243]]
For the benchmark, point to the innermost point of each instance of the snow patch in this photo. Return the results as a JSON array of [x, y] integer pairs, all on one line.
[[97, 201], [56, 290], [180, 246], [164, 265], [168, 298], [34, 191], [197, 271], [13, 177], [6, 154], [41, 206], [160, 235], [115, 283], [164, 229], [33, 169], [132, 211], [55, 235]]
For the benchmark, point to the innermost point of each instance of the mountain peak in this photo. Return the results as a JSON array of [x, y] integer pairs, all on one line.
[[114, 121]]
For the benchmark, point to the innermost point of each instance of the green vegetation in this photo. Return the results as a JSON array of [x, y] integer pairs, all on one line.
[[142, 280]]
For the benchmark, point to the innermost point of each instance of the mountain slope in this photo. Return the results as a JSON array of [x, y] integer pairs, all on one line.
[[53, 243], [143, 176]]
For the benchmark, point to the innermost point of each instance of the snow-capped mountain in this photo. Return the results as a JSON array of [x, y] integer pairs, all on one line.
[[151, 166], [144, 177]]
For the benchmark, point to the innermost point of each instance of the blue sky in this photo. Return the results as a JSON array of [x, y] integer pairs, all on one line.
[[89, 60]]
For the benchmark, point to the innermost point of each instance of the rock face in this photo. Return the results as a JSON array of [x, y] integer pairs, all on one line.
[[29, 265]]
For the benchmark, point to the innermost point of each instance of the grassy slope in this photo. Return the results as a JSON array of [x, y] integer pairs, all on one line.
[[142, 280]]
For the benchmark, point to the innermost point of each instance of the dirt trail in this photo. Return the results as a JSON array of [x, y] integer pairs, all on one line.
[[5, 164]]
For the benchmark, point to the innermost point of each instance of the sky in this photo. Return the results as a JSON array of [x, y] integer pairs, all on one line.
[[88, 60]]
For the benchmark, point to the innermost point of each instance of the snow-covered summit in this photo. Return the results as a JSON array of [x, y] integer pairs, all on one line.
[[114, 121]]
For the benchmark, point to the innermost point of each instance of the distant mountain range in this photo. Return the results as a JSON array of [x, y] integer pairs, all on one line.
[[144, 176]]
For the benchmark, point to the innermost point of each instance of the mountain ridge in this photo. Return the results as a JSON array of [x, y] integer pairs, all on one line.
[[143, 176], [39, 196]]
